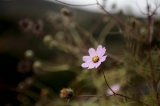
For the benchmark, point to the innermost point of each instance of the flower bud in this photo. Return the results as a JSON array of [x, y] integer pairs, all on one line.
[[37, 64], [66, 93], [47, 39], [26, 24], [38, 27], [66, 12], [29, 54], [37, 68]]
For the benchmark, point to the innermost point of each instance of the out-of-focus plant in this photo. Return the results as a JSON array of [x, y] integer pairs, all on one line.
[[131, 67]]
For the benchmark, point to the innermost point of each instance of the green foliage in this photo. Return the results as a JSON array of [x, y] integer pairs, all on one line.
[[53, 52]]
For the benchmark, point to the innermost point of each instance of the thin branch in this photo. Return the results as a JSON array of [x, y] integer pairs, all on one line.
[[149, 40], [131, 99], [76, 4], [81, 96], [140, 8], [119, 21], [153, 13], [114, 93], [106, 82]]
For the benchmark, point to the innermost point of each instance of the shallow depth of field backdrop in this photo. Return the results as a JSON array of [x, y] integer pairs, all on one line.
[[41, 50]]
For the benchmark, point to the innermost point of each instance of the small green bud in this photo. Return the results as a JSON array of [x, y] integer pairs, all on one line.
[[47, 39], [37, 64], [29, 54]]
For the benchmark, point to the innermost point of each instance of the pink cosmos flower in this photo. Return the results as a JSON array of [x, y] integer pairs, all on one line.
[[115, 88], [95, 57]]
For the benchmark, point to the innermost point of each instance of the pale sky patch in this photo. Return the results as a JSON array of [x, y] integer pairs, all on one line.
[[134, 7]]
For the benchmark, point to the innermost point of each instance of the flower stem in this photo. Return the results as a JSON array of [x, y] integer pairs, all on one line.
[[116, 94], [150, 22], [107, 82], [149, 41]]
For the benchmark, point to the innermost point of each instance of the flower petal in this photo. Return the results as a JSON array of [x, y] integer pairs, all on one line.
[[109, 92], [103, 51], [99, 49], [85, 65], [97, 64], [91, 65], [115, 88], [102, 59], [86, 58], [92, 52]]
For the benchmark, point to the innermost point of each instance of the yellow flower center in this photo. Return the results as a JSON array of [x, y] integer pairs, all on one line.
[[95, 59]]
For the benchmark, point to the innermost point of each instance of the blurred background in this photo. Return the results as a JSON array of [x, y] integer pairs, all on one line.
[[41, 49]]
